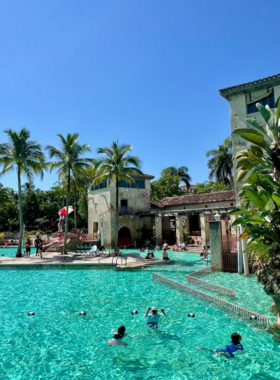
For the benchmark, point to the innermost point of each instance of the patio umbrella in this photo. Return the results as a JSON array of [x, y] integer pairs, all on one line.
[[62, 212]]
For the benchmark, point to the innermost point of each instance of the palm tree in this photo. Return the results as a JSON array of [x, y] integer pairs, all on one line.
[[68, 162], [27, 158], [221, 165], [117, 164], [4, 195], [27, 187], [77, 181], [181, 172]]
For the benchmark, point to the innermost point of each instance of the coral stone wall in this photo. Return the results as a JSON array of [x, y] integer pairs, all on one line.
[[102, 205]]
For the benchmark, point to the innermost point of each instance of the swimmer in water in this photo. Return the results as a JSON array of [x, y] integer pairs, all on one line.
[[154, 317], [117, 340], [228, 351]]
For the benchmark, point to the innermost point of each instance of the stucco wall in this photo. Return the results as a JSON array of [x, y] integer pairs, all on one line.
[[238, 115], [102, 205]]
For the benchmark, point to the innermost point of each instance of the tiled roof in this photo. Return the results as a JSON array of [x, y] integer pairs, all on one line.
[[272, 80], [221, 196]]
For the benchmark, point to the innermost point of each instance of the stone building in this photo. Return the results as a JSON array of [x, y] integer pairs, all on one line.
[[133, 199], [242, 100], [165, 220], [191, 213]]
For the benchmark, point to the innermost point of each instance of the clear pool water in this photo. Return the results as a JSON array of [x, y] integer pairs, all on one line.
[[58, 343], [11, 251]]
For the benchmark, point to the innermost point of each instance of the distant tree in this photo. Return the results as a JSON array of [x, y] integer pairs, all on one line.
[[4, 196], [182, 173], [221, 164], [210, 187], [168, 185], [26, 157], [117, 164], [69, 161]]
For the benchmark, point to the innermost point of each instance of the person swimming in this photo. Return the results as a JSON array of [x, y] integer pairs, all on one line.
[[228, 351], [154, 317], [117, 339]]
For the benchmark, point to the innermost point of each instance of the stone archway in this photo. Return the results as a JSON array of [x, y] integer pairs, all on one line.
[[124, 237]]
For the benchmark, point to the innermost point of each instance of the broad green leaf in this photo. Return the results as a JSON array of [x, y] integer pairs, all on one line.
[[238, 211], [240, 220], [271, 182], [255, 199], [276, 199], [251, 135], [270, 205], [245, 163], [256, 124], [267, 114], [242, 153], [241, 174], [257, 151]]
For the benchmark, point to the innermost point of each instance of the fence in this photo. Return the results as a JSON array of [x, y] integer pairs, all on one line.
[[191, 278], [224, 305], [176, 268]]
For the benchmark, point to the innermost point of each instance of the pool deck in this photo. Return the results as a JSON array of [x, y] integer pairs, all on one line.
[[126, 261]]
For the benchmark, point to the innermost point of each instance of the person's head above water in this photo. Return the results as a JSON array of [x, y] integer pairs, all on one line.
[[120, 333], [236, 338], [154, 310]]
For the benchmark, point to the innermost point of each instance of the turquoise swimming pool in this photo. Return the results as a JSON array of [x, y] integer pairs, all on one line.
[[58, 343], [11, 251]]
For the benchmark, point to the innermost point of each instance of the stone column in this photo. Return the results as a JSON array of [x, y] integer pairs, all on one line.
[[216, 244], [203, 226], [158, 222], [179, 229]]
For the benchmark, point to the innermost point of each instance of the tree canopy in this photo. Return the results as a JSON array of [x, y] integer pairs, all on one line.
[[168, 185]]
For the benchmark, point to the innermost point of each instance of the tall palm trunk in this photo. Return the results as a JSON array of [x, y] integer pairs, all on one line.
[[19, 254], [117, 215], [231, 180], [75, 207], [66, 219]]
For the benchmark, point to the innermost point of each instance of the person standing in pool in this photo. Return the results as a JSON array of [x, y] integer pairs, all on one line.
[[228, 351], [154, 317], [117, 339]]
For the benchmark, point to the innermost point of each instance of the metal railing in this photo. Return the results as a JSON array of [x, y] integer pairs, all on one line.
[[224, 305]]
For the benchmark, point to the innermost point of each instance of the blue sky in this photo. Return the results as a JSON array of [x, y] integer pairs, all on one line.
[[144, 72]]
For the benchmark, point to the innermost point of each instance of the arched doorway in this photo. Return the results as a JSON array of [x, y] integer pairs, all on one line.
[[125, 237]]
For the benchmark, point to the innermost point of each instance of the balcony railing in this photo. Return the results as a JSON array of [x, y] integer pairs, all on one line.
[[126, 211]]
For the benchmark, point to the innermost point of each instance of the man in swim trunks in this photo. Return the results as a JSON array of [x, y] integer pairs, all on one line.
[[153, 317]]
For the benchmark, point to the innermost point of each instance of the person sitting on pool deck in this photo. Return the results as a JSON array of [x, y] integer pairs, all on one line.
[[165, 255], [118, 337], [175, 247], [228, 351], [154, 317]]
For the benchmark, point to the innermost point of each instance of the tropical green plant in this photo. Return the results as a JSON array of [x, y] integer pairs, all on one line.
[[264, 155], [210, 187], [4, 195], [221, 164], [116, 164], [260, 196], [69, 160], [182, 173], [168, 185], [26, 157], [259, 215]]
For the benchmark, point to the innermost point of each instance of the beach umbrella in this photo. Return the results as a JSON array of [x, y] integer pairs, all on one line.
[[62, 212]]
